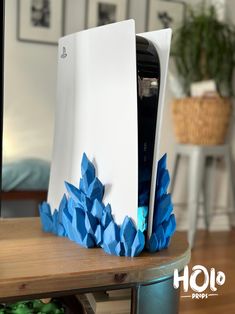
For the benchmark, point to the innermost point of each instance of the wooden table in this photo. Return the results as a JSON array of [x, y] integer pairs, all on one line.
[[35, 264]]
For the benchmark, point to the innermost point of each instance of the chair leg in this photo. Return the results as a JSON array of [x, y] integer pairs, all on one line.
[[231, 184], [209, 192], [174, 172], [196, 168], [205, 205]]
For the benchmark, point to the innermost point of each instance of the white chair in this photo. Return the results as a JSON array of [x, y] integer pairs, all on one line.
[[197, 160]]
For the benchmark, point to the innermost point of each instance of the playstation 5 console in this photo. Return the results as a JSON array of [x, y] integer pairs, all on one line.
[[110, 96]]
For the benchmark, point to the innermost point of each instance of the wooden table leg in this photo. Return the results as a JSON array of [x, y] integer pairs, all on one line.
[[159, 298], [134, 299]]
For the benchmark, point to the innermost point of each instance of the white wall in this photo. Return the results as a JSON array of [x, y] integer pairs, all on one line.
[[30, 75]]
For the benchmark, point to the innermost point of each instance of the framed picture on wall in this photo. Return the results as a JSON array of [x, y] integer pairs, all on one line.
[[101, 12], [165, 13], [40, 20]]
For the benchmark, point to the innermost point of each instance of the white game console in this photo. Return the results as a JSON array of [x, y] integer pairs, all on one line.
[[97, 113]]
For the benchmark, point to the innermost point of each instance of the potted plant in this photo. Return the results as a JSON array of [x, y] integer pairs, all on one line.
[[203, 49]]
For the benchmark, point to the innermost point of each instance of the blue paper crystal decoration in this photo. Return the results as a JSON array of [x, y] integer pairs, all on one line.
[[86, 220], [164, 223]]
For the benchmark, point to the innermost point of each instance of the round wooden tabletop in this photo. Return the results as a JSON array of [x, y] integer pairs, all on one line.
[[35, 263]]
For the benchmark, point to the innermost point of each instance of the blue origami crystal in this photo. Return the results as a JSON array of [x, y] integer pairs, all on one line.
[[99, 235], [90, 223], [142, 218], [95, 190], [62, 206], [55, 221], [152, 244], [138, 244], [87, 170], [107, 209], [163, 183], [111, 237], [71, 205], [85, 219], [127, 235], [119, 249], [97, 209], [163, 220], [163, 210], [106, 219], [169, 226], [88, 241], [46, 218], [74, 192], [67, 223], [78, 225], [61, 230]]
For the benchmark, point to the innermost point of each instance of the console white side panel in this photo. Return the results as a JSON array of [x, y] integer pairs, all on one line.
[[162, 41], [97, 114]]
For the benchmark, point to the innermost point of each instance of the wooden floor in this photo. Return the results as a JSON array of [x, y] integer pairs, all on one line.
[[217, 250]]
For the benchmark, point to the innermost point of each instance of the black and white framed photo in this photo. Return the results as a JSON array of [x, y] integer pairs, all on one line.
[[164, 14], [105, 12], [40, 20]]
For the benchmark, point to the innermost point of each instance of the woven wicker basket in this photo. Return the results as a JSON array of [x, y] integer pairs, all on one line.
[[201, 121]]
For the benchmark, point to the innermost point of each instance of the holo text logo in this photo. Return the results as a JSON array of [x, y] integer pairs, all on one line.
[[212, 279]]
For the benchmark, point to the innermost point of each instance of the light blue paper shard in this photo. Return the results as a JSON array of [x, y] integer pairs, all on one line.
[[87, 182], [88, 241], [73, 192], [63, 204], [96, 190], [82, 186], [61, 230], [142, 218], [90, 223], [77, 237], [110, 247], [106, 219], [99, 235], [152, 244], [78, 197], [97, 209], [55, 218], [87, 169], [46, 217], [119, 250], [67, 223], [71, 206], [85, 203], [169, 226], [138, 244], [47, 222], [45, 208], [127, 234], [69, 229], [111, 238]]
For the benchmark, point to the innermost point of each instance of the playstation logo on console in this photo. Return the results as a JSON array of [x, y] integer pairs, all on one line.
[[64, 54]]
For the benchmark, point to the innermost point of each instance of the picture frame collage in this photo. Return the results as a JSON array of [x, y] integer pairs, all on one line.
[[43, 21]]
